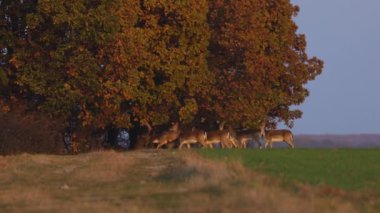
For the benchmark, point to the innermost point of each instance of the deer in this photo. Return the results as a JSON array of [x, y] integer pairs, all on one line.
[[192, 137], [222, 137], [244, 136], [167, 137], [226, 138], [282, 135]]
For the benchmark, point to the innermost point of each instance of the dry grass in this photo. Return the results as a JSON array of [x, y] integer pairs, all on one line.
[[148, 181]]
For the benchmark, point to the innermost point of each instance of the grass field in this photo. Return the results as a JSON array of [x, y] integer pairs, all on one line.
[[349, 169], [185, 181]]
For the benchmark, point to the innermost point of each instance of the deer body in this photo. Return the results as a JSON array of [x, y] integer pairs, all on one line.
[[243, 137], [192, 137], [282, 135], [221, 136], [168, 136]]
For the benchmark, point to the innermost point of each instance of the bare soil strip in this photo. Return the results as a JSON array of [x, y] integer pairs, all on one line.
[[149, 181]]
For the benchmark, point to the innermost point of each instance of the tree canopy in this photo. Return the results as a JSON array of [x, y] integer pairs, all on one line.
[[151, 62], [260, 61]]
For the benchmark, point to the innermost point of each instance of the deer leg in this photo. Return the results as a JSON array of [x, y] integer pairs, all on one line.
[[225, 144], [243, 144], [222, 145], [290, 144], [161, 144], [204, 145], [234, 143], [258, 143], [229, 143]]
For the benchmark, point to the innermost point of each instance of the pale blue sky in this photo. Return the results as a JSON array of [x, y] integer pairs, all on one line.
[[346, 35]]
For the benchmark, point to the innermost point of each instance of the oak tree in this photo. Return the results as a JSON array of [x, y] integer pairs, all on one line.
[[260, 61]]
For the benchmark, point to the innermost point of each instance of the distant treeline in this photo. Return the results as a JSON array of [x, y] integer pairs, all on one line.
[[338, 141], [146, 63]]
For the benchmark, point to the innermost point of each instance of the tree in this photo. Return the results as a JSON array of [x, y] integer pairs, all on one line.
[[144, 64], [60, 62], [259, 60], [174, 71], [13, 31]]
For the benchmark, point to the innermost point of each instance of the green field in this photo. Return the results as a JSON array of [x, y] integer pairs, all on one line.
[[349, 169]]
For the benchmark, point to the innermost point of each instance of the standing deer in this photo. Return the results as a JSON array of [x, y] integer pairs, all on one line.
[[282, 135], [192, 137], [222, 137], [244, 136], [168, 136]]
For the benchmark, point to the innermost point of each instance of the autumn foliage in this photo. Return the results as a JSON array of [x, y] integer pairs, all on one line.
[[151, 62]]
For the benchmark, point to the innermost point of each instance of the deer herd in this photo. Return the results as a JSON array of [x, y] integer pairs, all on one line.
[[223, 138]]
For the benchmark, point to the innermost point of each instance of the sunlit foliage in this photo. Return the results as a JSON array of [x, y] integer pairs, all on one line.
[[151, 62]]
